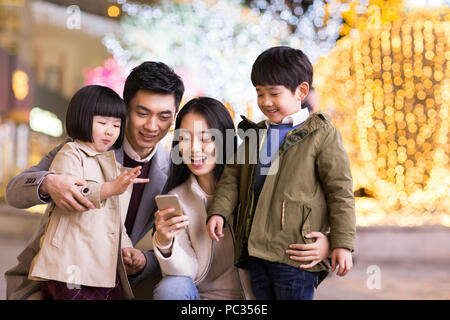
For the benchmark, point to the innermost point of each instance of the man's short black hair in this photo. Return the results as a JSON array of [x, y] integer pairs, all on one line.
[[282, 66], [93, 101], [155, 77]]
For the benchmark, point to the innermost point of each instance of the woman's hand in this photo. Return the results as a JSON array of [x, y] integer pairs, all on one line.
[[167, 226], [314, 252]]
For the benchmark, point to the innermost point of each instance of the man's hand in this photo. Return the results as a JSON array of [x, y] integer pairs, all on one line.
[[343, 257], [215, 227], [134, 260], [63, 190], [314, 252]]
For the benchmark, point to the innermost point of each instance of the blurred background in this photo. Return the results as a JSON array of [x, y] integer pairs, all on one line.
[[381, 69]]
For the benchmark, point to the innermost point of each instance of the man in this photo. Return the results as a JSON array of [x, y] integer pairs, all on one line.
[[152, 93]]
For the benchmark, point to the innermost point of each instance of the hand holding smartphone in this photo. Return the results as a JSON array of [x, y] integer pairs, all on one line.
[[167, 201]]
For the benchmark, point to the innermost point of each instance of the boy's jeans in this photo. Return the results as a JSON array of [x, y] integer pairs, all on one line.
[[273, 280], [176, 288]]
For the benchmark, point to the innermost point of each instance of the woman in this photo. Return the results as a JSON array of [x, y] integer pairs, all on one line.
[[194, 267]]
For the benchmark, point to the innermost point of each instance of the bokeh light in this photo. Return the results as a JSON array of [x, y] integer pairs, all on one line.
[[388, 90]]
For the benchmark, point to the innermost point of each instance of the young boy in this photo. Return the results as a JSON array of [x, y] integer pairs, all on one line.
[[308, 187]]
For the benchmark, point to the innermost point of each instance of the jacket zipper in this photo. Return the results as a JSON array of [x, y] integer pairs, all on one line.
[[236, 268], [297, 142], [209, 265], [249, 191]]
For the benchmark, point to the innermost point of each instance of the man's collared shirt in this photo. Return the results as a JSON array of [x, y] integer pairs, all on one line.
[[128, 149]]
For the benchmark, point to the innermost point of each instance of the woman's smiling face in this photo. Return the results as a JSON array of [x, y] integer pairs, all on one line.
[[196, 144]]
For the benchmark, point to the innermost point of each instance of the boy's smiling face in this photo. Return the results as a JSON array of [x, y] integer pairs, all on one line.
[[278, 102]]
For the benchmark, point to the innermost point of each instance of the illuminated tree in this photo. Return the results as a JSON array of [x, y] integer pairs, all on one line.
[[388, 88]]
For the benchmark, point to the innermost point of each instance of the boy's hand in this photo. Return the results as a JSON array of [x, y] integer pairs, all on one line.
[[215, 227], [134, 260], [343, 257]]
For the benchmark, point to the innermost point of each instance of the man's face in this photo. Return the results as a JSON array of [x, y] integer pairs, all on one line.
[[149, 118]]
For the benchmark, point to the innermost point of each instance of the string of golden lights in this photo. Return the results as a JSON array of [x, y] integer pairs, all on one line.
[[389, 94]]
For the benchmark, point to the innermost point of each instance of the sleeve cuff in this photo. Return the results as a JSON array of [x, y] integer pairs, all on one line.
[[341, 242], [92, 191], [216, 214], [165, 250], [43, 198]]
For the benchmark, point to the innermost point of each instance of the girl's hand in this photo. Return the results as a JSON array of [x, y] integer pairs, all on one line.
[[123, 181], [134, 260], [314, 252], [167, 226]]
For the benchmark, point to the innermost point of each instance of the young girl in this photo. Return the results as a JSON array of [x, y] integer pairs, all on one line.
[[80, 254], [193, 266]]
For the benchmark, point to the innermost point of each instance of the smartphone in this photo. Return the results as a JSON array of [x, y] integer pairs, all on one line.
[[165, 201]]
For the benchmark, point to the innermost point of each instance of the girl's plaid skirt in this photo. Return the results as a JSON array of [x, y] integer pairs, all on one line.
[[55, 290]]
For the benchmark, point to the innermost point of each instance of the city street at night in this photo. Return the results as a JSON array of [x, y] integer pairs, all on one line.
[[404, 277]]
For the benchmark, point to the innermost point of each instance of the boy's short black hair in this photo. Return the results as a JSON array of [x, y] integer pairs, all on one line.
[[282, 66], [155, 77], [93, 101]]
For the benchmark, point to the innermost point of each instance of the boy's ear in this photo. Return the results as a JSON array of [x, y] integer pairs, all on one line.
[[302, 91]]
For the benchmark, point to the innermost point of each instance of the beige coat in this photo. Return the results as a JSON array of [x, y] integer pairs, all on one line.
[[193, 253], [84, 248]]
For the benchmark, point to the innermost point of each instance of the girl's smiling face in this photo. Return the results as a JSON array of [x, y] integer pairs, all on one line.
[[197, 145], [105, 131]]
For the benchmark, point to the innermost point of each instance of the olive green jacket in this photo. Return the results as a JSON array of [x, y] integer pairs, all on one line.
[[309, 189]]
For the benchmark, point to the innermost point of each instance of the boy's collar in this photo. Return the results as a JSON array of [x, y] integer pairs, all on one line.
[[313, 121], [295, 119]]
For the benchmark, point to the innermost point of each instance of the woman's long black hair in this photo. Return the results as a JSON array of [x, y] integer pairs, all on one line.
[[217, 117]]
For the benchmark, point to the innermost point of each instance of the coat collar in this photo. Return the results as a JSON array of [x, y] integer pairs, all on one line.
[[295, 119], [197, 190], [86, 149], [313, 122]]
